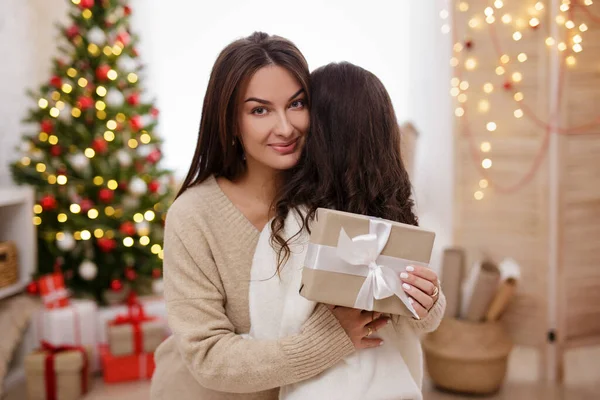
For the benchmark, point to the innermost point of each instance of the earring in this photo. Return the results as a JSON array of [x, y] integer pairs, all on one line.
[[233, 142]]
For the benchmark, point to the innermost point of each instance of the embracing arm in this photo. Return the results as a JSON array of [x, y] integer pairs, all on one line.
[[217, 357]]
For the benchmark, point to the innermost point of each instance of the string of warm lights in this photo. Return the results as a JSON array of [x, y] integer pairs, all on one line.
[[507, 70]]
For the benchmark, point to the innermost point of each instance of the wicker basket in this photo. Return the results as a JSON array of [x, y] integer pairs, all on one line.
[[467, 357], [9, 268]]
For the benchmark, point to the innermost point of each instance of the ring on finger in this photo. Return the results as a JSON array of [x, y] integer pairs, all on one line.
[[436, 291], [369, 331]]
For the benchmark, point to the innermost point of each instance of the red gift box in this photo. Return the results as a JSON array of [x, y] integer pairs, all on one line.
[[127, 368], [53, 292]]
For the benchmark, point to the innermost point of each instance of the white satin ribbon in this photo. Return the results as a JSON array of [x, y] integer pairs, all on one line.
[[361, 256]]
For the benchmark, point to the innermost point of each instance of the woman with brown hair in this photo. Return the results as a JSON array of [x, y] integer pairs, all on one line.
[[254, 121], [351, 162]]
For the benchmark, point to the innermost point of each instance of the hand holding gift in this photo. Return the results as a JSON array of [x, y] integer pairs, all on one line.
[[356, 261], [422, 286]]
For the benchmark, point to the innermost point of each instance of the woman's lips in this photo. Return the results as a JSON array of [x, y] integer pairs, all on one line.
[[285, 148]]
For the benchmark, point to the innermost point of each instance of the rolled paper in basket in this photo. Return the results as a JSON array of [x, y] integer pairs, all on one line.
[[505, 292], [451, 279], [484, 290]]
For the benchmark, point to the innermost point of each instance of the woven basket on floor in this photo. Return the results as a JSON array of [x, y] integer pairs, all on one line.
[[467, 357], [9, 268]]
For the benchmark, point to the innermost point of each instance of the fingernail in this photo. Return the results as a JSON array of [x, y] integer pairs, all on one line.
[[381, 343], [410, 268], [406, 286], [403, 275]]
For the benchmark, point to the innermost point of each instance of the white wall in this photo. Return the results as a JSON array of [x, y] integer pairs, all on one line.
[[431, 113], [27, 36]]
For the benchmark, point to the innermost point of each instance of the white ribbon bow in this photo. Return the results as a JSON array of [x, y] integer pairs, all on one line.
[[381, 281]]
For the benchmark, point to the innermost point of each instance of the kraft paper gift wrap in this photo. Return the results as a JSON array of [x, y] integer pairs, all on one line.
[[355, 261], [122, 338], [58, 373]]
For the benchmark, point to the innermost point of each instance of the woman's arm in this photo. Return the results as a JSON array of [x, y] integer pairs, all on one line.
[[215, 354]]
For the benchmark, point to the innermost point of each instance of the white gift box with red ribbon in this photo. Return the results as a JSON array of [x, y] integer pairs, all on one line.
[[73, 325]]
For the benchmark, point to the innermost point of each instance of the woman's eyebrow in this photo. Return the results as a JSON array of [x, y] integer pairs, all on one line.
[[267, 102]]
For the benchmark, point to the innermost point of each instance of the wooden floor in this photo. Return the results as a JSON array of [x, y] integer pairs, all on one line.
[[582, 382]]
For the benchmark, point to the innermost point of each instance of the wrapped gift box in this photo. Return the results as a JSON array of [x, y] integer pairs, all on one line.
[[72, 325], [58, 373], [135, 333], [153, 307], [53, 291], [126, 368], [355, 261]]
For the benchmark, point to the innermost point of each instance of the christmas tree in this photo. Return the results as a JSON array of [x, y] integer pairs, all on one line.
[[93, 158]]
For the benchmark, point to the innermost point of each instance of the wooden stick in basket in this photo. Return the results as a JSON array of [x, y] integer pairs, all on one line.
[[505, 292]]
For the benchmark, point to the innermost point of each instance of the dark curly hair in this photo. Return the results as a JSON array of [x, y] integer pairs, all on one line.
[[351, 160]]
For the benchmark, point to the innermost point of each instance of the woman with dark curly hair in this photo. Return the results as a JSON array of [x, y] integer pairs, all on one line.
[[351, 162]]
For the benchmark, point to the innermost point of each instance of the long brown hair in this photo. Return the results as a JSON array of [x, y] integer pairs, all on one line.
[[351, 160], [218, 152]]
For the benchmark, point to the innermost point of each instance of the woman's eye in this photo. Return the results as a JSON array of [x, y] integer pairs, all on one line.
[[297, 104], [259, 111]]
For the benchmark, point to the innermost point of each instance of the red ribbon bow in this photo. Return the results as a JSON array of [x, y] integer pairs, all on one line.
[[50, 373], [135, 317]]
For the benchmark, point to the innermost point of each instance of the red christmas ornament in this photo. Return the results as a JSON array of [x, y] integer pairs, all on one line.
[[130, 274], [156, 273], [153, 186], [154, 156], [86, 205], [86, 4], [33, 288], [124, 38], [48, 202], [47, 126], [106, 245], [99, 145], [469, 44], [136, 123], [85, 102], [55, 150], [154, 112], [116, 285], [72, 31], [508, 85], [56, 81], [133, 99], [106, 195], [102, 72], [127, 10], [127, 228]]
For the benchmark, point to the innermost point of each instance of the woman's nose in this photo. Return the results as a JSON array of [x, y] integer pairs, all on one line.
[[284, 126]]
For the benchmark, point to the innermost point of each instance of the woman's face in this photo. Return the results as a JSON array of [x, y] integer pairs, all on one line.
[[273, 119]]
